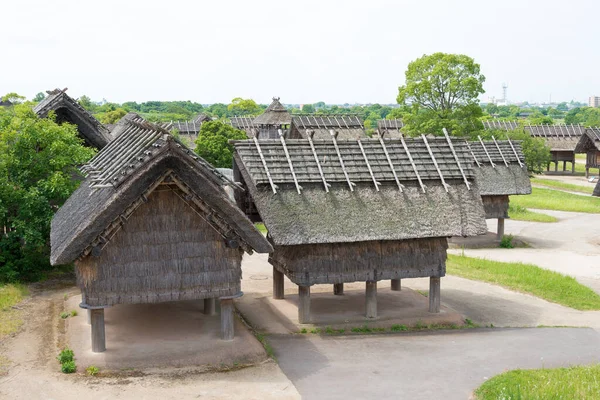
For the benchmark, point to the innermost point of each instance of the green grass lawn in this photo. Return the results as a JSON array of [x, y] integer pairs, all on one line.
[[582, 382], [519, 213], [562, 185], [548, 199], [526, 278], [10, 319]]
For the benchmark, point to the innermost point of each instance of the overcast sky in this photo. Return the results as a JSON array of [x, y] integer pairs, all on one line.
[[303, 51]]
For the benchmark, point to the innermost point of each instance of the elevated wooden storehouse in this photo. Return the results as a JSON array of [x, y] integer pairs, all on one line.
[[501, 125], [360, 210], [244, 123], [276, 117], [589, 143], [68, 109], [390, 128], [152, 223], [500, 171], [320, 126], [562, 140], [190, 128]]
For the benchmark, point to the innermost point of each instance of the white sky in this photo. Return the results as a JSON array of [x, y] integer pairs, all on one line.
[[303, 51]]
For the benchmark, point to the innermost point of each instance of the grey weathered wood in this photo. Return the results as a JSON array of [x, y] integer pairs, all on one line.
[[210, 306], [338, 289], [304, 304], [371, 299], [500, 230], [98, 335], [396, 285], [434, 294], [89, 316], [227, 331], [277, 284]]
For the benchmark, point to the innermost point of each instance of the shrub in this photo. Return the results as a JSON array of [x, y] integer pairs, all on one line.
[[68, 367], [65, 355], [64, 315], [92, 370], [73, 313], [506, 242]]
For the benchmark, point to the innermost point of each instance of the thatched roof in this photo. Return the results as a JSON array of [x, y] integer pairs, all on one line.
[[346, 126], [390, 128], [191, 127], [590, 140], [245, 124], [500, 168], [503, 125], [67, 109], [378, 207], [123, 174], [123, 124], [558, 137], [276, 114]]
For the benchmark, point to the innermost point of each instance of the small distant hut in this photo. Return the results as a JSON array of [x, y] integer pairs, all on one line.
[[360, 210], [501, 125], [68, 109], [275, 118], [190, 128], [243, 123], [152, 223], [562, 140], [589, 143], [320, 126], [500, 172], [390, 128]]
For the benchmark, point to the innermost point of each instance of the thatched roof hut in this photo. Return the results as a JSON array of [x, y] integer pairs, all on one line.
[[390, 128], [68, 109], [243, 123], [562, 140], [152, 223], [275, 115], [320, 126], [501, 125], [500, 172], [360, 210], [589, 143]]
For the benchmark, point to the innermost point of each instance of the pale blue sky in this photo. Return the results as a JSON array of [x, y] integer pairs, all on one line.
[[303, 51]]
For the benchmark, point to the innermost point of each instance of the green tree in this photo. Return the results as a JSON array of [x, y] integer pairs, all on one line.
[[308, 109], [111, 117], [441, 91], [38, 163], [13, 98], [86, 102], [241, 106], [39, 97], [213, 145]]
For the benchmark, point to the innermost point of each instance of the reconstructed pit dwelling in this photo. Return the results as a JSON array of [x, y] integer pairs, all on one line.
[[152, 223], [363, 210], [500, 171]]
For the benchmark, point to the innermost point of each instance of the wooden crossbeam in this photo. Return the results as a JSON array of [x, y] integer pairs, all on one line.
[[314, 151], [499, 150], [486, 152], [368, 165], [389, 160], [435, 163], [514, 151], [264, 162], [289, 160], [473, 154], [337, 149], [414, 166], [456, 158]]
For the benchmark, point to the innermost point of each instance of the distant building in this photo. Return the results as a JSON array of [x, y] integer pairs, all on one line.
[[594, 101]]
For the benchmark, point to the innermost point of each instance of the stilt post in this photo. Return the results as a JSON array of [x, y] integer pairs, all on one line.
[[277, 284], [210, 306], [88, 313], [98, 334], [434, 294], [227, 331], [338, 289], [500, 230], [396, 285], [371, 299], [304, 304]]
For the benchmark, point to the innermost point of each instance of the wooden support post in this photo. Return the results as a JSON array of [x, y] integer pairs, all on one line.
[[227, 331], [98, 336], [500, 230], [564, 166], [277, 284], [371, 299], [338, 289], [587, 171], [396, 285], [434, 294], [304, 304], [89, 316], [210, 306], [555, 166]]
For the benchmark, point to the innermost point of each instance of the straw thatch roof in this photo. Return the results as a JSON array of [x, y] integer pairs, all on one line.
[[357, 196], [503, 125], [500, 168], [345, 126], [191, 127], [68, 110], [589, 141], [390, 128], [275, 114], [558, 137], [120, 178]]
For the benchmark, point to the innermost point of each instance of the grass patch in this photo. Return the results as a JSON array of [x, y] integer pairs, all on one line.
[[506, 242], [547, 199], [263, 340], [10, 318], [581, 382], [261, 228], [366, 329], [562, 185], [526, 278], [519, 213]]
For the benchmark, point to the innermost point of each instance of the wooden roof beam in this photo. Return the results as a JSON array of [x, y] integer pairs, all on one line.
[[337, 149], [499, 150], [289, 160], [309, 136], [486, 152], [389, 160], [437, 167], [456, 159], [262, 159], [412, 163], [368, 165]]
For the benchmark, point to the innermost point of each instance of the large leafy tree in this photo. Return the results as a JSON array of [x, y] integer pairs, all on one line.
[[241, 106], [441, 91], [213, 143], [38, 172]]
